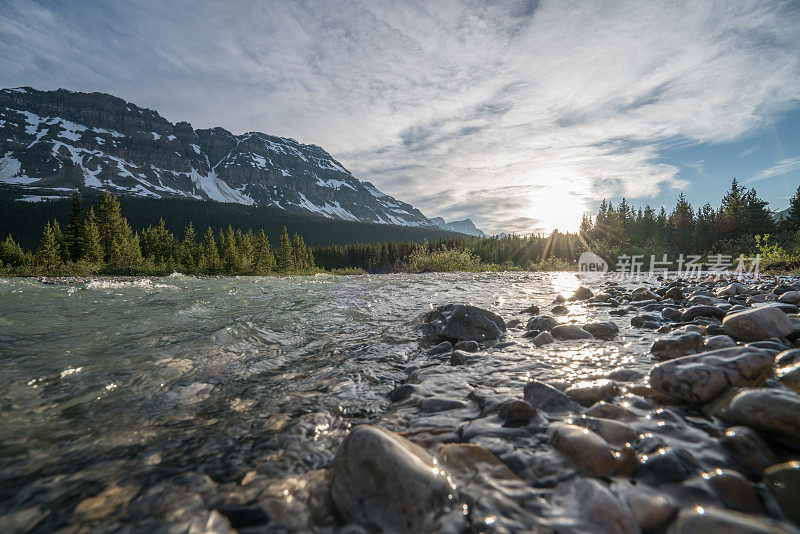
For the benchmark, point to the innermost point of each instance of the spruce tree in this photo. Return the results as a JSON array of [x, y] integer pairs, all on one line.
[[92, 250], [284, 256], [48, 254], [791, 219], [210, 253], [264, 260], [11, 254]]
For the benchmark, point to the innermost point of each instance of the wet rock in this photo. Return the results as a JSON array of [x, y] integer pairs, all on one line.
[[560, 310], [693, 312], [783, 482], [468, 346], [607, 410], [676, 344], [702, 377], [22, 521], [652, 510], [790, 297], [461, 358], [402, 392], [441, 348], [582, 293], [790, 376], [603, 330], [642, 293], [787, 358], [513, 323], [648, 322], [297, 503], [587, 451], [614, 432], [570, 332], [543, 338], [710, 520], [382, 481], [671, 314], [733, 490], [773, 411], [244, 516], [719, 342], [757, 324], [590, 392], [516, 411], [667, 465], [622, 374], [748, 448], [780, 289], [440, 404], [598, 509], [542, 323], [619, 312], [532, 309], [548, 399], [675, 293], [731, 290], [460, 322], [559, 299], [465, 461]]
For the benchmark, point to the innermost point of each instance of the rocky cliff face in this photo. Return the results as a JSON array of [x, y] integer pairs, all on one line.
[[55, 142]]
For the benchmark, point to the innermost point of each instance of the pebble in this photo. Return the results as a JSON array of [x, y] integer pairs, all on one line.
[[675, 293], [607, 410], [603, 330], [533, 309], [787, 358], [783, 482], [702, 377], [468, 346], [599, 510], [570, 332], [586, 450], [731, 290], [694, 312], [676, 344], [666, 464], [582, 293], [642, 293], [590, 392], [652, 510], [543, 338], [757, 324], [402, 392], [548, 399], [440, 404], [542, 323], [382, 481], [773, 411], [790, 297], [711, 520], [614, 432], [733, 490], [718, 342], [790, 376], [560, 310], [461, 322], [748, 448]]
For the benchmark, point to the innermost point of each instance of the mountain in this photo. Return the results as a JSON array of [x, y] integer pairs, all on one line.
[[463, 227], [55, 142], [776, 215]]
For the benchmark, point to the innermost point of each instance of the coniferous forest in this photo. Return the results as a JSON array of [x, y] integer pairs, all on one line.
[[98, 239]]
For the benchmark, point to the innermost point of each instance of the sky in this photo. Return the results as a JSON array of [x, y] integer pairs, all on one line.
[[521, 115]]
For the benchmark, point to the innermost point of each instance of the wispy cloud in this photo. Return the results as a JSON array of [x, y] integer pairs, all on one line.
[[439, 102], [782, 167], [745, 153]]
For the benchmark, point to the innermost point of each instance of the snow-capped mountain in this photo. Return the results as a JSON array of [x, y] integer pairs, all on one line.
[[56, 142], [465, 226]]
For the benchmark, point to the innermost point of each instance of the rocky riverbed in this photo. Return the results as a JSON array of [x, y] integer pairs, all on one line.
[[584, 406]]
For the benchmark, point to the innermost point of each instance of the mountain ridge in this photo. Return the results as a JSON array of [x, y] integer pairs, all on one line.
[[56, 142]]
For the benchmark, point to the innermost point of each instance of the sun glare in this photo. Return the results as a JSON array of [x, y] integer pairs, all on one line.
[[562, 211]]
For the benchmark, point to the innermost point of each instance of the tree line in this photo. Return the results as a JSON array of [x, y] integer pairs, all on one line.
[[102, 241]]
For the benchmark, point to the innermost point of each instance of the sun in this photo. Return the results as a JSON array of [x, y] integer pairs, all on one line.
[[556, 210]]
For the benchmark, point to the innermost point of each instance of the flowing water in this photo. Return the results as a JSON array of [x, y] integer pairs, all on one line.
[[145, 382]]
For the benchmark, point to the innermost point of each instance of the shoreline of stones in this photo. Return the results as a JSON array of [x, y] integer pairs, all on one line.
[[727, 363]]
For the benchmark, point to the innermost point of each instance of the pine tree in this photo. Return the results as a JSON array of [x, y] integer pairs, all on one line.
[[11, 254], [74, 231], [48, 255], [92, 249], [284, 256], [189, 254], [210, 253], [264, 260], [681, 222]]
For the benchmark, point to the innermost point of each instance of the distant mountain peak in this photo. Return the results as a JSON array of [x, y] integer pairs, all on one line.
[[56, 142], [465, 226]]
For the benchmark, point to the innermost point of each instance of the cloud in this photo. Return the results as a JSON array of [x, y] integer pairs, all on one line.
[[494, 111], [782, 167]]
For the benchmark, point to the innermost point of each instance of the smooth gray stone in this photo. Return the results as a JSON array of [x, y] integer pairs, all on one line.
[[543, 338], [676, 344], [702, 377], [441, 348], [603, 330], [570, 332], [772, 411], [460, 322], [719, 342], [710, 520], [757, 324], [701, 311], [382, 481], [541, 323], [548, 399]]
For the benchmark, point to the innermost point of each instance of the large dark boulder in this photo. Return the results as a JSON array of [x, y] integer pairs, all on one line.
[[461, 322]]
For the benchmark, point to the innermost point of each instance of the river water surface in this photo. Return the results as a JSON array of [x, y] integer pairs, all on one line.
[[197, 382]]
